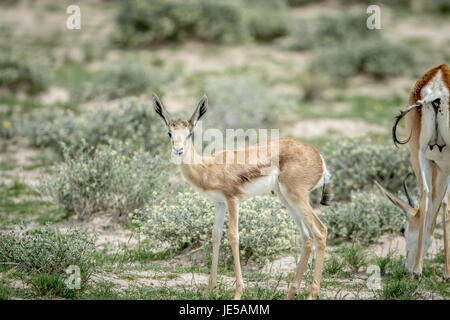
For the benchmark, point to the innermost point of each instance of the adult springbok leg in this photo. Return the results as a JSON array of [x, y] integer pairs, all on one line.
[[424, 207], [446, 222], [233, 236], [216, 238], [440, 182]]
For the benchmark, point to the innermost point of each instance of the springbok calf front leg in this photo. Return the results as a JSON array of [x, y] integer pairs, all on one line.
[[216, 238]]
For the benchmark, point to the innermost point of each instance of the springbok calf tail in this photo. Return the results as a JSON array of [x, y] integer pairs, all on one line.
[[327, 196]]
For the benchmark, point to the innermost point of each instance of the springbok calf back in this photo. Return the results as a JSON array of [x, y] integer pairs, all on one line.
[[427, 121], [287, 166]]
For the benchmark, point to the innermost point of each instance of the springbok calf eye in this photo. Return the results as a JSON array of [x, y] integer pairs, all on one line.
[[403, 230], [170, 134]]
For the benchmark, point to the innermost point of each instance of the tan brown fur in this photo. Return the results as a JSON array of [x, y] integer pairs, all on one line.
[[299, 169]]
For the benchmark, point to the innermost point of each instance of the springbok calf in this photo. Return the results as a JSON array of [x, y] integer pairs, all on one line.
[[287, 166], [427, 120]]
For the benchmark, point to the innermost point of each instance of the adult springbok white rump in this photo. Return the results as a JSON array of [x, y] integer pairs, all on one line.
[[427, 121], [286, 166]]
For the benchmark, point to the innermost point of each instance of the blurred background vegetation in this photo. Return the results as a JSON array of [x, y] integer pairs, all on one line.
[[78, 135]]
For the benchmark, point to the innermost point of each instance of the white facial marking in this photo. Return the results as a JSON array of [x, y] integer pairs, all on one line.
[[179, 139]]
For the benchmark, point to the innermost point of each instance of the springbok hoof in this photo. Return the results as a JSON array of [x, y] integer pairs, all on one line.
[[291, 294], [417, 275]]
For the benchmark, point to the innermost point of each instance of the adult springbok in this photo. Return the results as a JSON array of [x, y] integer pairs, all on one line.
[[427, 120], [287, 166]]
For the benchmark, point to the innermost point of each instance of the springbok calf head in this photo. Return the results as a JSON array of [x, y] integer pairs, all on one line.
[[180, 131]]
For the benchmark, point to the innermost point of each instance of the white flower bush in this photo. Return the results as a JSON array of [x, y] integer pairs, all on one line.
[[265, 227]]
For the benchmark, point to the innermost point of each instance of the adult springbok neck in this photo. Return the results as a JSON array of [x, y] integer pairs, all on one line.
[[427, 120], [287, 166]]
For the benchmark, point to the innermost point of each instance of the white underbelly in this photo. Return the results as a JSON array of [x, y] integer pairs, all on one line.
[[261, 185], [215, 196]]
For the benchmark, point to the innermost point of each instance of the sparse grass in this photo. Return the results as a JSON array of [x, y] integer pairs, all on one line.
[[353, 256], [19, 203], [334, 266]]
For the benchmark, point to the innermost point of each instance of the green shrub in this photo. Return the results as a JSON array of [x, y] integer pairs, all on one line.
[[122, 79], [265, 226], [46, 253], [19, 74], [437, 6], [378, 59], [336, 29], [110, 178], [242, 102], [266, 25], [147, 22], [331, 30], [355, 163], [267, 20], [130, 121], [363, 219], [297, 3]]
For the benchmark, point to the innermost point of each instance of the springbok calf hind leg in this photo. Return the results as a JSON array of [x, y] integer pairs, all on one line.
[[233, 236], [313, 230]]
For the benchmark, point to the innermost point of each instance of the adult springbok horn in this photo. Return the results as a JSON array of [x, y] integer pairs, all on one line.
[[397, 120]]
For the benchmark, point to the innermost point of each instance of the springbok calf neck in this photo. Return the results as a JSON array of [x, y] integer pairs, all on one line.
[[287, 166], [427, 120]]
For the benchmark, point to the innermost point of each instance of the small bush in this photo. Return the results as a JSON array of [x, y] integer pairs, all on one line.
[[355, 163], [122, 79], [109, 178], [437, 6], [147, 22], [267, 20], [331, 30], [378, 59], [19, 74], [152, 22], [130, 121], [46, 253], [297, 3], [242, 102], [265, 227], [364, 219]]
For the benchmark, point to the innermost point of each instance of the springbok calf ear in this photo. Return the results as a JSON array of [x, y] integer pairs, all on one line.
[[199, 111], [161, 110], [406, 208]]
